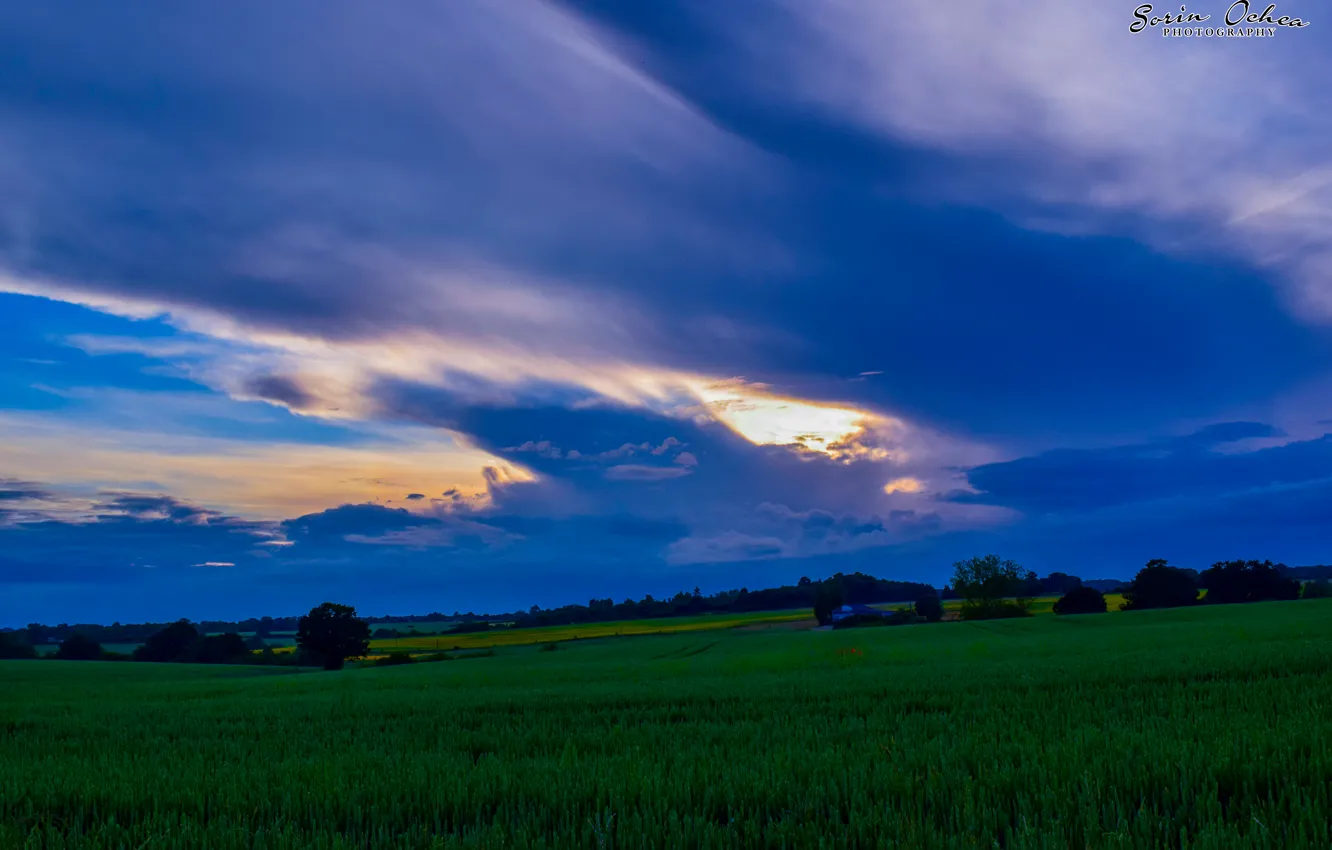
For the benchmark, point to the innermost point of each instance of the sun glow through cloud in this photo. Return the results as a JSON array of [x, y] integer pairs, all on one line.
[[903, 485], [774, 420]]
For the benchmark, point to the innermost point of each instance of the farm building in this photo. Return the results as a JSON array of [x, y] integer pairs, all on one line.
[[854, 611]]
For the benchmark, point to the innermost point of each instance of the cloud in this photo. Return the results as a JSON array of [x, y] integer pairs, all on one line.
[[263, 479], [728, 546], [638, 472], [278, 388], [1054, 126], [1074, 480], [616, 314], [20, 491], [903, 485]]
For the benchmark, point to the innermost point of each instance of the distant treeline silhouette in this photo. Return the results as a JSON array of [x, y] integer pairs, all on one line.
[[858, 587], [988, 587]]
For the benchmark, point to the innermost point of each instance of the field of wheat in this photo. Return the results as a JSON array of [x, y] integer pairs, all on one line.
[[1200, 728]]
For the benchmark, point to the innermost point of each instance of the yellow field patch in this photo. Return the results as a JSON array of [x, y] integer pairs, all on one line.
[[585, 631]]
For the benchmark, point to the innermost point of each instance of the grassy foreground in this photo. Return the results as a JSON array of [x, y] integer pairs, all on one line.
[[1207, 728]]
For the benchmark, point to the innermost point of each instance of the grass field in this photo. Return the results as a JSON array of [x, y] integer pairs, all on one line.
[[1201, 728]]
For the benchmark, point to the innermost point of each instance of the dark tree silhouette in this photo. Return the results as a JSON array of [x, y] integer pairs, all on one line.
[[12, 646], [930, 608], [1247, 581], [1081, 600], [1159, 585], [827, 598], [333, 633], [78, 647], [985, 583], [169, 644]]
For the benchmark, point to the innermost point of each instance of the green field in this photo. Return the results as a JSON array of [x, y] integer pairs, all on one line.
[[1205, 728]]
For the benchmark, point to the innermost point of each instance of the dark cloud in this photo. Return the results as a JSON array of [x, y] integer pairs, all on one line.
[[1086, 479], [140, 506], [12, 490], [336, 523], [639, 472], [280, 388]]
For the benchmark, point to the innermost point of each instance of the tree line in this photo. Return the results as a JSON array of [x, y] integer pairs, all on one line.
[[991, 587], [326, 637], [865, 588]]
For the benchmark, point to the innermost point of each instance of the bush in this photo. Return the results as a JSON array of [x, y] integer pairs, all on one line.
[[998, 609], [435, 656], [227, 648], [1159, 585], [929, 608], [393, 659], [549, 647], [1081, 600], [1320, 589], [79, 647]]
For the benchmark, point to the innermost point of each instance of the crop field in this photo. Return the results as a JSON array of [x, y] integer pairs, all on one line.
[[586, 631], [1039, 605], [1204, 728], [423, 626]]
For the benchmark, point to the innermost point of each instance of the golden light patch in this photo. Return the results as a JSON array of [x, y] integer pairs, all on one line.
[[258, 481], [903, 485], [766, 419]]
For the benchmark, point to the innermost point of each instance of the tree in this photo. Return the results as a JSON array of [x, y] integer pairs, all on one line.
[[226, 648], [168, 644], [12, 646], [1159, 585], [79, 647], [1247, 581], [985, 585], [1319, 589], [1081, 600], [333, 633], [827, 598], [930, 608]]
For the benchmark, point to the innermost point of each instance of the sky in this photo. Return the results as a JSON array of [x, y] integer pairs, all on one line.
[[475, 305]]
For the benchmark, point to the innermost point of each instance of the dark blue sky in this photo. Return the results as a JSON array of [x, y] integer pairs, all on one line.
[[484, 305]]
